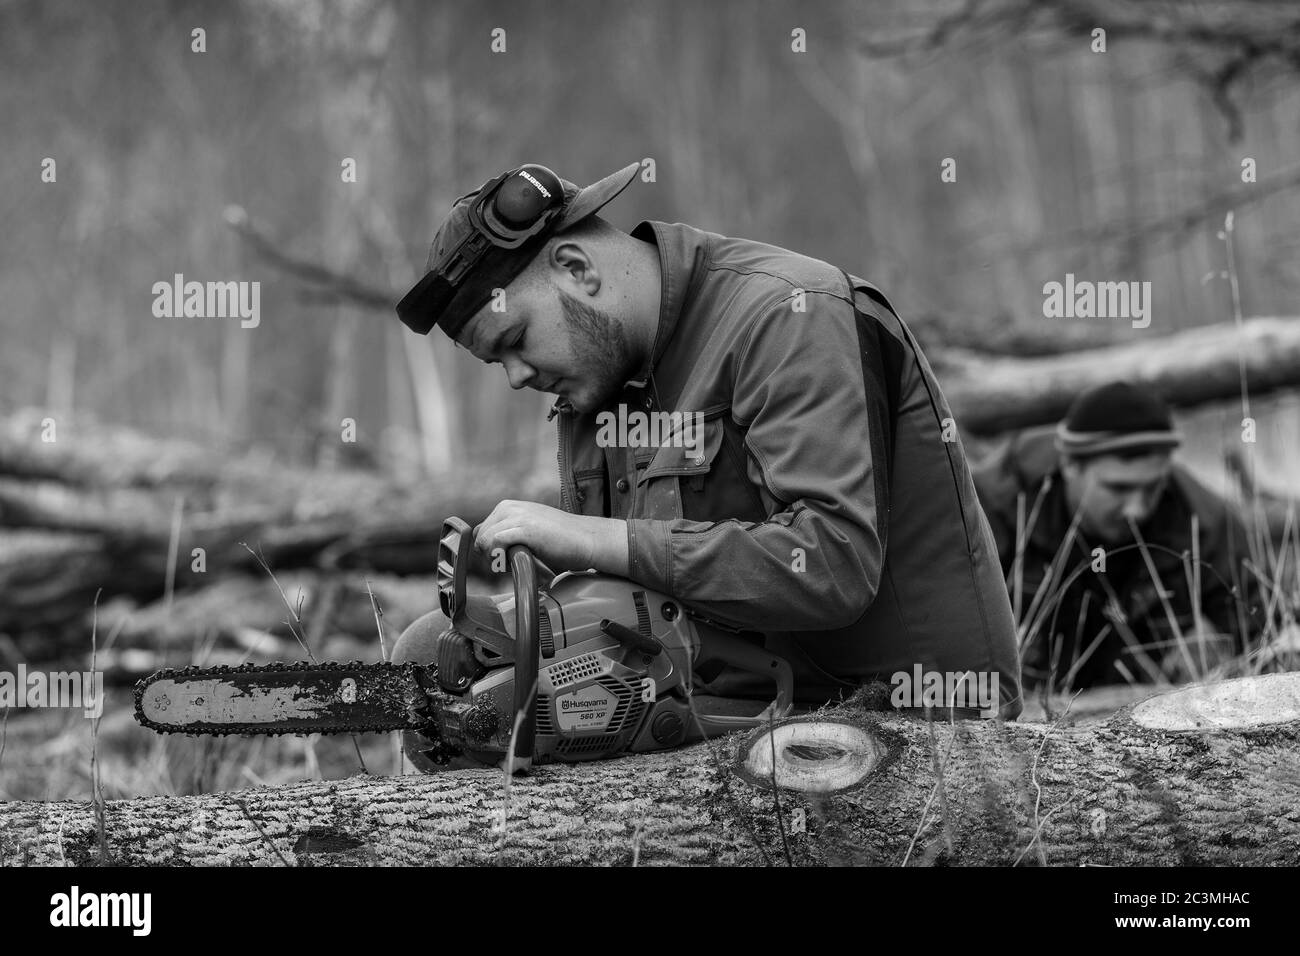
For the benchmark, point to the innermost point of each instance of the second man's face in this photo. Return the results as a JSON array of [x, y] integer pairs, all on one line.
[[1111, 494]]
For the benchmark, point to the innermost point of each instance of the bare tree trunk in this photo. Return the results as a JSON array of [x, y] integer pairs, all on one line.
[[60, 385], [1206, 775], [341, 393]]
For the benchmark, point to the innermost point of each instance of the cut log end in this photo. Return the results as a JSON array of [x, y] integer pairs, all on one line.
[[811, 756], [1247, 703]]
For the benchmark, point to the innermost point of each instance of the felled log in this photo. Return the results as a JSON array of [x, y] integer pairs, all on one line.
[[47, 578], [1205, 775], [240, 618], [57, 551], [1201, 365], [44, 447]]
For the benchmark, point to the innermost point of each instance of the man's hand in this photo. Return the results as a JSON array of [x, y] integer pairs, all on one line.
[[563, 541]]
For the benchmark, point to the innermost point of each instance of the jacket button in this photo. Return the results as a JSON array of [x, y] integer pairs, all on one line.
[[582, 496], [621, 484]]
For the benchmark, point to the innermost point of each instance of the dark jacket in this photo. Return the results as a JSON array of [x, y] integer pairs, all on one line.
[[791, 524], [1068, 611]]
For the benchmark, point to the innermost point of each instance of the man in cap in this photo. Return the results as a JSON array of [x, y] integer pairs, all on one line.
[[825, 508], [1128, 569]]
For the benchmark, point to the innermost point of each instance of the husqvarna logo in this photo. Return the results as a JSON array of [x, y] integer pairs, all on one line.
[[587, 710], [532, 179]]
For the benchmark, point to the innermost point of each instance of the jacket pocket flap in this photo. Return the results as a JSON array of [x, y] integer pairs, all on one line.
[[687, 453]]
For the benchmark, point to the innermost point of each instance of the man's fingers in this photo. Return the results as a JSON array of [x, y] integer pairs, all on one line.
[[520, 522], [500, 516], [502, 535], [483, 535]]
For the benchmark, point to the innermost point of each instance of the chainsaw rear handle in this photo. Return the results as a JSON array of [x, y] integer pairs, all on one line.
[[454, 546], [523, 569], [741, 654]]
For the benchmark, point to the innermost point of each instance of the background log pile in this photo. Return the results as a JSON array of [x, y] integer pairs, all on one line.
[[110, 511]]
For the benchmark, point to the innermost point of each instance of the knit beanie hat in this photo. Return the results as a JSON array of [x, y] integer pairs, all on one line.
[[1116, 417]]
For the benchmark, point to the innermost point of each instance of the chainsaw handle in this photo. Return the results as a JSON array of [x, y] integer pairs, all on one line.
[[523, 570], [741, 654]]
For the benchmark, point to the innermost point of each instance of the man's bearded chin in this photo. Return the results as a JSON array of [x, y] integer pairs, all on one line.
[[600, 350], [1111, 534]]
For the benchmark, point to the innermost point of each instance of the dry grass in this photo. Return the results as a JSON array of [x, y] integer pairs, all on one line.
[[1187, 652], [48, 757]]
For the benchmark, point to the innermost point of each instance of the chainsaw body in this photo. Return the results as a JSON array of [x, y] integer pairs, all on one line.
[[610, 665], [570, 667], [595, 692]]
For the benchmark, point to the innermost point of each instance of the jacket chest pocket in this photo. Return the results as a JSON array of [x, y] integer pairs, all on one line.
[[589, 492], [704, 482]]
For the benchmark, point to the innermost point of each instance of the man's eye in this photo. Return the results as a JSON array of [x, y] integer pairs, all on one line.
[[519, 342]]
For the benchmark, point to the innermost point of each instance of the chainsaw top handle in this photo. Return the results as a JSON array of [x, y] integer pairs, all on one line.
[[527, 657]]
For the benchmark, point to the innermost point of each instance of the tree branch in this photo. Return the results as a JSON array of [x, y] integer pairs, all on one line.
[[326, 284]]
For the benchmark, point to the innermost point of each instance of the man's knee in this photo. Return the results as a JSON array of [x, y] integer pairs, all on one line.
[[418, 643]]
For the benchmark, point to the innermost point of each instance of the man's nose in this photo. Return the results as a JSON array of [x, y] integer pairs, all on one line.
[[518, 372], [1136, 508]]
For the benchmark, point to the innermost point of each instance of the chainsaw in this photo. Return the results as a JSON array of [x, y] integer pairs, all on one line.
[[581, 667]]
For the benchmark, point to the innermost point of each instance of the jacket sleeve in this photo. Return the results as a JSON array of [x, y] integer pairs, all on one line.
[[815, 565], [997, 491]]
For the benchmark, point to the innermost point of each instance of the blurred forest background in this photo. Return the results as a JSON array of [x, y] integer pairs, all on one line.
[[1113, 166], [1067, 161]]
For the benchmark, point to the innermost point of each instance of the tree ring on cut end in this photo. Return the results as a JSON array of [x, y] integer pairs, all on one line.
[[1245, 703], [812, 756]]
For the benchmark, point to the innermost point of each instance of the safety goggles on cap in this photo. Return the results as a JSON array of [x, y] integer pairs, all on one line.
[[490, 237], [507, 212]]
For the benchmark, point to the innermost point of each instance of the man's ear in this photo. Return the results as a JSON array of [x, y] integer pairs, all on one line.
[[575, 267]]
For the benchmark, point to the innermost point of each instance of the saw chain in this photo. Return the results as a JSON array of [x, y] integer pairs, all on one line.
[[302, 697]]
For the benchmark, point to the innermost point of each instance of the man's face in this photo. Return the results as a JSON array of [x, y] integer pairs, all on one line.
[[1107, 492], [552, 341]]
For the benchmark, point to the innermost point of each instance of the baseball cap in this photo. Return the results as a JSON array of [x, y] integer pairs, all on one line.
[[1114, 417], [483, 245]]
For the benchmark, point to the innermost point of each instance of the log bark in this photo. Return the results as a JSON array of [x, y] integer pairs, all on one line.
[[1188, 368], [1208, 775]]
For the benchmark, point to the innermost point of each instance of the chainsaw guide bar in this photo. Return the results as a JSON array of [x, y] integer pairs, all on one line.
[[302, 697]]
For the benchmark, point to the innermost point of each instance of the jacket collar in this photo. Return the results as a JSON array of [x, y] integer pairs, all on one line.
[[683, 254]]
